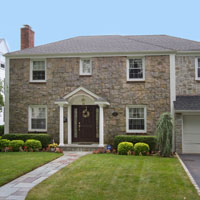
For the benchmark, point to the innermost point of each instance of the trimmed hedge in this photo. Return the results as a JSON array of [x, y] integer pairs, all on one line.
[[141, 148], [4, 143], [1, 130], [150, 140], [45, 139], [124, 147], [34, 144], [16, 144]]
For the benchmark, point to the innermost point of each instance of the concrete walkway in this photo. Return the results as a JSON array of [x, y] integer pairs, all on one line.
[[18, 188]]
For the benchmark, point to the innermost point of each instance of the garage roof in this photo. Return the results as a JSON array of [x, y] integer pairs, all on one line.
[[187, 103]]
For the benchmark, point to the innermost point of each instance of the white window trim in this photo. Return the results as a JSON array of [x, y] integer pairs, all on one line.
[[30, 115], [31, 71], [81, 67], [196, 69], [127, 69], [127, 119]]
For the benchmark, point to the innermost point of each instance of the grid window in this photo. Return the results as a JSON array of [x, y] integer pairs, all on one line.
[[136, 69], [136, 119], [38, 117], [38, 71], [86, 67]]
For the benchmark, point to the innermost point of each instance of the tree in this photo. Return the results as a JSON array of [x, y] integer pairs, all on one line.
[[164, 131]]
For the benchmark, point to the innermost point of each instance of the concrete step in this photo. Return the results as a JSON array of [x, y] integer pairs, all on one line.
[[81, 147]]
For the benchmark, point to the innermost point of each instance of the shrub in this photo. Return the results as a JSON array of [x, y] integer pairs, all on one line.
[[164, 131], [16, 144], [45, 139], [53, 145], [124, 147], [141, 148], [4, 143], [35, 145], [150, 140], [1, 130]]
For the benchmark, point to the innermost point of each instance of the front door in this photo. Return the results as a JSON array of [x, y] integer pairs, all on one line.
[[85, 123]]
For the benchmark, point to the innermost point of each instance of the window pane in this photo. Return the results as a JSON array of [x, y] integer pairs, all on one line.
[[38, 65], [136, 112], [38, 123], [38, 75], [39, 113], [75, 123], [86, 66], [135, 68], [136, 124]]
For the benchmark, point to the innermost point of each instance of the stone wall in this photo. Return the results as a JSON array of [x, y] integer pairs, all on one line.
[[178, 132], [185, 76], [108, 80]]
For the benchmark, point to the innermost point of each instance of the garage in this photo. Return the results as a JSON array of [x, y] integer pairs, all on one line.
[[191, 134]]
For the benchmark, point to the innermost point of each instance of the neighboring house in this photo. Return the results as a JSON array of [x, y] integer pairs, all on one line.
[[86, 90], [3, 50]]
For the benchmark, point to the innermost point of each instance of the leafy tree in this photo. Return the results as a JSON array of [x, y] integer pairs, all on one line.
[[164, 134]]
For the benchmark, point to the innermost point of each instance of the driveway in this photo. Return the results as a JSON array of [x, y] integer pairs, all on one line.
[[192, 162]]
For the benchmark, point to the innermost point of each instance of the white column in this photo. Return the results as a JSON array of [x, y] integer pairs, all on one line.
[[101, 126], [61, 134], [69, 122]]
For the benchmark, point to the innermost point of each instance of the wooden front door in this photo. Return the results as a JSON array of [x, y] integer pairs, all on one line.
[[85, 123]]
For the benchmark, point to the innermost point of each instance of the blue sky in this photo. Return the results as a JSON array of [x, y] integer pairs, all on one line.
[[54, 20]]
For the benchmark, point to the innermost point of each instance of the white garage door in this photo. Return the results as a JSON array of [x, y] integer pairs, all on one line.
[[191, 134]]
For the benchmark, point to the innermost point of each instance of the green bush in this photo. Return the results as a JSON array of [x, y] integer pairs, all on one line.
[[34, 144], [1, 130], [45, 139], [4, 143], [142, 148], [150, 140], [124, 147], [16, 144]]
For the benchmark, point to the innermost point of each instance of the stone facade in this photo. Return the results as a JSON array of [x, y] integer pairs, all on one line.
[[108, 80], [185, 85]]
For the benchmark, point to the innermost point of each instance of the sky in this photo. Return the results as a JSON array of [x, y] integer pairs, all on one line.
[[54, 20]]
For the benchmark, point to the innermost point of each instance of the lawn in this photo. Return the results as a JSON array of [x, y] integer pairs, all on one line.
[[106, 176], [15, 164]]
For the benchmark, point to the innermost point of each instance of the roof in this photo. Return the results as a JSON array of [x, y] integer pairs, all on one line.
[[113, 44], [187, 103]]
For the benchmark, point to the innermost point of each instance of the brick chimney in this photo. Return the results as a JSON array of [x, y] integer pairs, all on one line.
[[27, 37]]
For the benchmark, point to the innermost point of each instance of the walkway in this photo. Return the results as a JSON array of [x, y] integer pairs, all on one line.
[[18, 188]]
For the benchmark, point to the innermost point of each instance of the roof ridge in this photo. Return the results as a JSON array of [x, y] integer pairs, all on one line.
[[152, 43]]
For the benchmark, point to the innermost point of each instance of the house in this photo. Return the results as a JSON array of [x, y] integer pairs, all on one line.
[[3, 50], [85, 90]]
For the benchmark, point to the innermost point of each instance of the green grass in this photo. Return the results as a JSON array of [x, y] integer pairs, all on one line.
[[15, 164], [106, 176]]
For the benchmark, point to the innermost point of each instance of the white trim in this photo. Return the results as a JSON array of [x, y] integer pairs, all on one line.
[[182, 133], [81, 67], [6, 90], [196, 69], [127, 69], [61, 127], [127, 119], [69, 125], [30, 115], [189, 175], [187, 112], [79, 89], [31, 70], [101, 126], [86, 55]]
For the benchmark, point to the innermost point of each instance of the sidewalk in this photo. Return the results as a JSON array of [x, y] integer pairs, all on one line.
[[18, 188]]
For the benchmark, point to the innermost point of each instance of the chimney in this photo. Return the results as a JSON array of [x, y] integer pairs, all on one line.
[[27, 37]]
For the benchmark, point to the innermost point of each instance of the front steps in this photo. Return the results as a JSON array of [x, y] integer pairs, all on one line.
[[81, 147]]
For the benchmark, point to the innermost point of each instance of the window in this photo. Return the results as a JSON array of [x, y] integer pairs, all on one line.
[[85, 67], [197, 68], [135, 69], [2, 66], [38, 71], [136, 119], [37, 118]]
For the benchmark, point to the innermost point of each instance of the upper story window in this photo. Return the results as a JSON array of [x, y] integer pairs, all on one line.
[[197, 68], [38, 71], [85, 67], [2, 66], [136, 119], [37, 118], [135, 69]]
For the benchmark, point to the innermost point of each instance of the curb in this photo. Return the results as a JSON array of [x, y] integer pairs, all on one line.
[[189, 174]]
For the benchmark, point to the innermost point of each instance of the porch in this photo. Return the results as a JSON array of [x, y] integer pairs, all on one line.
[[85, 120]]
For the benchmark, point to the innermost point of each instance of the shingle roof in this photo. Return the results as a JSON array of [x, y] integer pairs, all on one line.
[[187, 103], [113, 44]]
